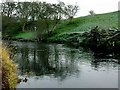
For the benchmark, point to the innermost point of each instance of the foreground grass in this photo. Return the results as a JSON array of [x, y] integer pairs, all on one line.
[[9, 77]]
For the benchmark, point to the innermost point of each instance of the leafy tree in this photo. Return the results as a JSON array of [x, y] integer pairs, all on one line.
[[23, 13], [8, 8], [34, 15]]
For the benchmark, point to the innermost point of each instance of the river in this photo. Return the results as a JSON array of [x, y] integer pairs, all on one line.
[[59, 66]]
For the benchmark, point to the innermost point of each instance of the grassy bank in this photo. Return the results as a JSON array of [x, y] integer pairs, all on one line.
[[67, 30], [79, 25], [9, 77], [26, 35]]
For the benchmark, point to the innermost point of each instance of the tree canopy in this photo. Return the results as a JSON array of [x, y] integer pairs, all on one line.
[[40, 16]]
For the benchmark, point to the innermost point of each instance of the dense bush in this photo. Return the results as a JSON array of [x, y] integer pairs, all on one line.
[[10, 27], [99, 40]]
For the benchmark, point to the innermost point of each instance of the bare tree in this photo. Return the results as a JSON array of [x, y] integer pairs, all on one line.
[[92, 12], [70, 11]]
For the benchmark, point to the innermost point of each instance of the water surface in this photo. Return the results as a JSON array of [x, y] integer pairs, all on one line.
[[60, 66]]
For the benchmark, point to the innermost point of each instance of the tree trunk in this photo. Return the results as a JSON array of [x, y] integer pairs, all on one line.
[[47, 27], [23, 28]]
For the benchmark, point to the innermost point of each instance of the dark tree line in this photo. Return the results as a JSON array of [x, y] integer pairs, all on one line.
[[40, 16]]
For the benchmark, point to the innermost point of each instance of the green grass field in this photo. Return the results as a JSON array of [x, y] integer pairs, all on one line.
[[108, 20], [78, 25], [82, 24], [26, 35]]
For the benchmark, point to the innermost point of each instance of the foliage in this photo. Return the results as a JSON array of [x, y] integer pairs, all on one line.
[[80, 25], [10, 27], [27, 12], [69, 10], [9, 78], [100, 40]]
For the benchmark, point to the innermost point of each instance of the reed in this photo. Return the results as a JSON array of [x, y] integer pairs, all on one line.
[[9, 77]]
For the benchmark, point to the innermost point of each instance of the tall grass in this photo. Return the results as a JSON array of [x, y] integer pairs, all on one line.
[[9, 77]]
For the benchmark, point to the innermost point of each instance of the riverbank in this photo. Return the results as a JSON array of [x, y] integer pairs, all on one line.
[[98, 40], [80, 33], [65, 29]]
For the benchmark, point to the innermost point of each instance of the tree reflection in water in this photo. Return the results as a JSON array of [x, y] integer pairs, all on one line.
[[51, 63], [46, 59], [57, 60]]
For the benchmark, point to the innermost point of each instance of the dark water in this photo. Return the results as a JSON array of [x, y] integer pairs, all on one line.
[[59, 66]]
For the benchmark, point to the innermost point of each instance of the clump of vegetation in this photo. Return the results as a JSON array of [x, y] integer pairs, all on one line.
[[9, 77], [98, 40], [102, 40]]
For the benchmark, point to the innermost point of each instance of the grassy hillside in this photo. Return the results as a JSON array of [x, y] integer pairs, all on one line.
[[82, 24], [79, 25], [108, 20]]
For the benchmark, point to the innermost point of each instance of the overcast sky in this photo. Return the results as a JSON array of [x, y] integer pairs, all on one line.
[[99, 6]]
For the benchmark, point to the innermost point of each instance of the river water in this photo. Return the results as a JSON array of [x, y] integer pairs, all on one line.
[[59, 66]]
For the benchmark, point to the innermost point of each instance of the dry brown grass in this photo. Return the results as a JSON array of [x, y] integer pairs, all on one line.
[[9, 77]]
